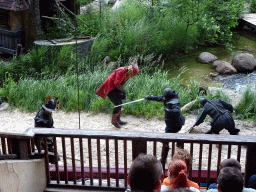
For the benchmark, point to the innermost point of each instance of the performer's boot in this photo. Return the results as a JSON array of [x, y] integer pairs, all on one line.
[[119, 120], [165, 150], [114, 120], [235, 131]]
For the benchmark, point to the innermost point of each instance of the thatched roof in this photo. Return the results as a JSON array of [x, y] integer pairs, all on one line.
[[14, 5]]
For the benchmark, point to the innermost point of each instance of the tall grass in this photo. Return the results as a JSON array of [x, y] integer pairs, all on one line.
[[29, 94], [246, 109], [38, 63]]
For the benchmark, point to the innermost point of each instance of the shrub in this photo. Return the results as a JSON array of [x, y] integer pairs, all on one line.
[[253, 6]]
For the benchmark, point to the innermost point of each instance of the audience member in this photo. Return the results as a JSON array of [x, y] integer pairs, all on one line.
[[230, 179], [226, 163], [179, 190], [182, 154], [252, 182], [230, 163], [177, 174], [145, 174]]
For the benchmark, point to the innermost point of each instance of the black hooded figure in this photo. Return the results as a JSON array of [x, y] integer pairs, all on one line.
[[220, 112], [44, 119], [173, 117]]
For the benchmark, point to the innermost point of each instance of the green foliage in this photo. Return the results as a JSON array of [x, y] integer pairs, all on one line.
[[166, 27], [246, 109], [43, 62], [253, 6], [138, 28], [83, 2], [225, 14]]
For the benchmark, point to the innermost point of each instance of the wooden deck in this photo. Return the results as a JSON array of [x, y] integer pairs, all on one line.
[[249, 20]]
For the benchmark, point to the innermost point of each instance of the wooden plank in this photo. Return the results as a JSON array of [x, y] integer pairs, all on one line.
[[56, 159], [125, 163], [99, 162], [160, 137], [82, 159], [64, 159], [108, 162], [116, 163], [90, 160], [209, 165], [8, 156], [73, 158]]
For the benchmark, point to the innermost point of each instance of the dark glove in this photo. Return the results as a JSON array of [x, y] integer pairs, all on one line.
[[147, 97], [123, 95]]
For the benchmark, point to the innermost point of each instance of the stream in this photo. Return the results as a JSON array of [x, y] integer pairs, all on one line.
[[243, 42]]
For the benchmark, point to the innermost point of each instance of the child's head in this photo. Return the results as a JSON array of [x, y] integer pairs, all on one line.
[[168, 94], [184, 155], [177, 174]]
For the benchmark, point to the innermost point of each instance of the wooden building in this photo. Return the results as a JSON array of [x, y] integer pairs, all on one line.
[[21, 21]]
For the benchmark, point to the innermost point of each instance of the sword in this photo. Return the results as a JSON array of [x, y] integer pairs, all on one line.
[[129, 102]]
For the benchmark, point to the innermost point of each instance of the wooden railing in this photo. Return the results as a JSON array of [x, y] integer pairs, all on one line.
[[9, 40], [101, 159], [15, 146]]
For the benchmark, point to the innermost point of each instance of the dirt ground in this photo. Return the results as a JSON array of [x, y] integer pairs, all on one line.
[[17, 122]]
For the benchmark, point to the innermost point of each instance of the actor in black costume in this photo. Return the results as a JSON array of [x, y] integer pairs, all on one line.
[[44, 119], [173, 117], [220, 112]]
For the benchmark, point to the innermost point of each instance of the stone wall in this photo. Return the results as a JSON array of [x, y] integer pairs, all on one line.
[[22, 175]]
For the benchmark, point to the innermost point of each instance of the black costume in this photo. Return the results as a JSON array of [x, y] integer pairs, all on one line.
[[44, 119], [173, 117], [220, 112]]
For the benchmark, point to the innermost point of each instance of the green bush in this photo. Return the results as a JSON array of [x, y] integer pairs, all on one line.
[[253, 6], [223, 16], [246, 109]]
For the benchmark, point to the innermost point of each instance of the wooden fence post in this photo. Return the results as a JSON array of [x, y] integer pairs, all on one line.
[[20, 147], [138, 146]]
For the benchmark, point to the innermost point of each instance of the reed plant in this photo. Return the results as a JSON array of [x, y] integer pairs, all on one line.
[[246, 109], [29, 94]]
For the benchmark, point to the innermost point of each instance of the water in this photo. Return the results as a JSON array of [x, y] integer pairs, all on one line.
[[243, 41]]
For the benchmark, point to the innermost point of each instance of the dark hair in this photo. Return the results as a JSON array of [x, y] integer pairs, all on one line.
[[230, 179], [230, 163], [185, 156], [145, 172], [179, 190]]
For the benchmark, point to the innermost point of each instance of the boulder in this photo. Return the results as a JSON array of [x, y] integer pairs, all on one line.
[[244, 62], [206, 57], [224, 67]]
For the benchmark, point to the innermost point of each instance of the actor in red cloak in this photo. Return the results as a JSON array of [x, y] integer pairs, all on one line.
[[113, 88]]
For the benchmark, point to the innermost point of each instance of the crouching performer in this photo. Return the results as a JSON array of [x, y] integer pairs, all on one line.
[[173, 117], [44, 119], [220, 112], [113, 88]]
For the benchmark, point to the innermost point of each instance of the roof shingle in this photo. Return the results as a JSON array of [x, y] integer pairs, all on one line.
[[14, 5]]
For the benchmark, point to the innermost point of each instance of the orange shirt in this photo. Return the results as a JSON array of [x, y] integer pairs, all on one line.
[[191, 183]]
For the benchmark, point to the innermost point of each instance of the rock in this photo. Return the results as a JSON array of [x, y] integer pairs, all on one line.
[[224, 67], [202, 90], [206, 57], [244, 62], [4, 106], [213, 74]]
